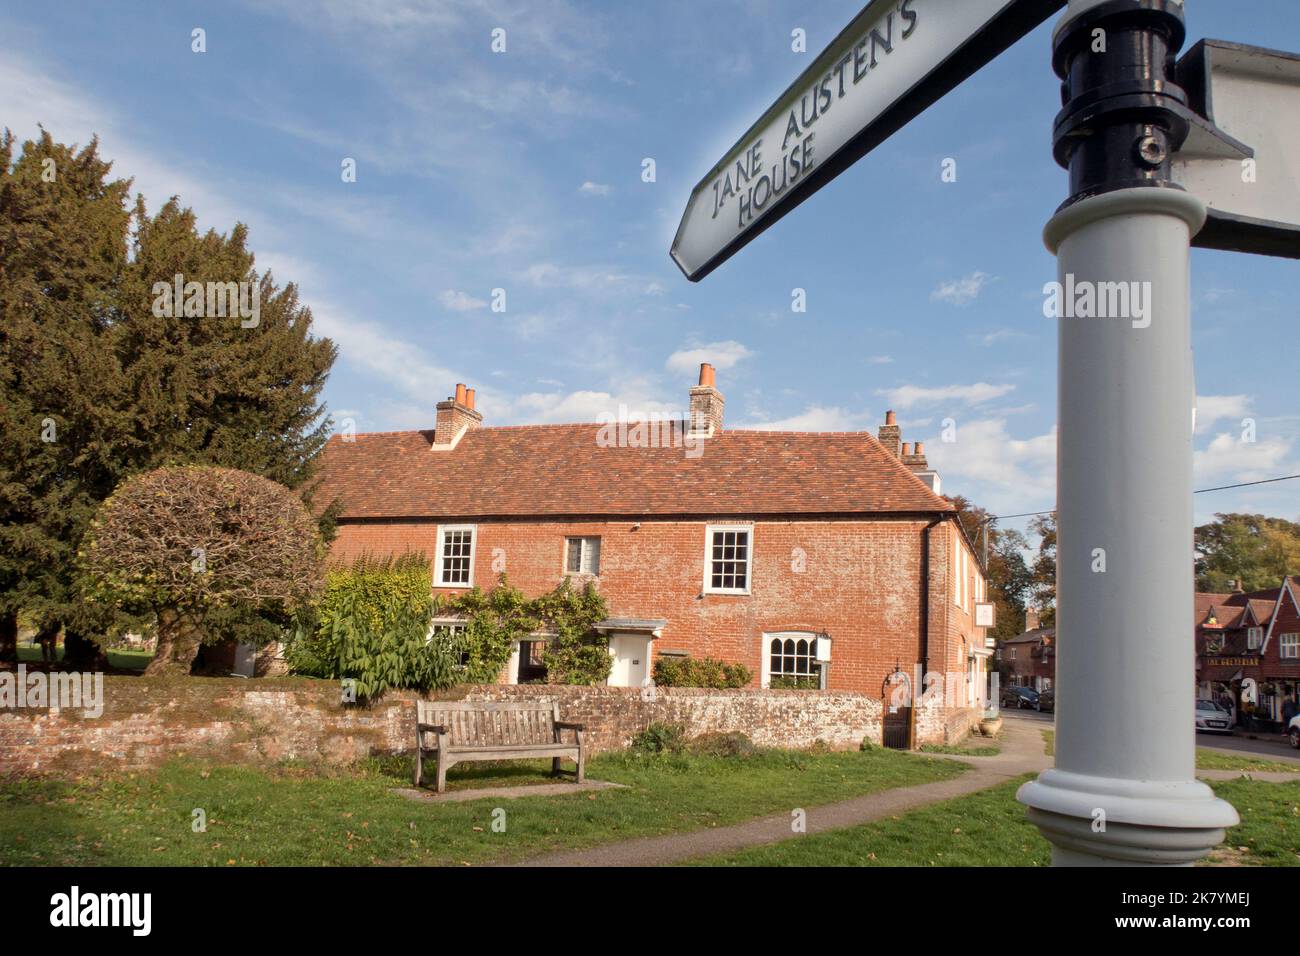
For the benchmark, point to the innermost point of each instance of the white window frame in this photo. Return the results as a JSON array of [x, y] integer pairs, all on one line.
[[708, 558], [473, 550], [1254, 638], [585, 557], [815, 642], [957, 569], [1289, 642]]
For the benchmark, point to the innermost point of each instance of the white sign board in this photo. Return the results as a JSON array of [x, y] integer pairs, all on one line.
[[894, 60], [984, 616], [1250, 178]]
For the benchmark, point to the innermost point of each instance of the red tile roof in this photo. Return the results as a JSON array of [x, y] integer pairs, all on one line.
[[561, 470]]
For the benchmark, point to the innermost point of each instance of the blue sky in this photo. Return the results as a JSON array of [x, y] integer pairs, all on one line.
[[522, 171]]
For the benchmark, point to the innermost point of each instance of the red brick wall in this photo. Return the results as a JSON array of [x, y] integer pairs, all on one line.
[[860, 586]]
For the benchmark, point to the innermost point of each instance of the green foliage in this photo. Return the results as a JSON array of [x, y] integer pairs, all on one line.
[[795, 682], [373, 627], [577, 654], [660, 738], [732, 744], [1255, 549], [699, 672], [494, 622], [95, 388]]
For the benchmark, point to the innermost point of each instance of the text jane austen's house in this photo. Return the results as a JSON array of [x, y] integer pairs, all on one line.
[[828, 556]]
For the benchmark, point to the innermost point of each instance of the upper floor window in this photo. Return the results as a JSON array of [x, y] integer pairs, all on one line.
[[1254, 638], [582, 555], [726, 559], [1290, 646], [454, 567]]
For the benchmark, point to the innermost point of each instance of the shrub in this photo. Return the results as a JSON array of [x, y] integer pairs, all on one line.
[[195, 542], [795, 682], [701, 672], [660, 738], [498, 619], [733, 744], [372, 626]]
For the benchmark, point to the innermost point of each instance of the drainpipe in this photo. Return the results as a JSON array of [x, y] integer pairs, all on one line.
[[924, 659]]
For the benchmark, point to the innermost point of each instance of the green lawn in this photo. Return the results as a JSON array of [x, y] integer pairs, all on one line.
[[126, 660], [1207, 759], [971, 747], [303, 816], [982, 829], [989, 829]]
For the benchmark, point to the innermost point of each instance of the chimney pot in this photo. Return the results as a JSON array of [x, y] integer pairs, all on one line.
[[907, 448], [460, 393], [469, 400], [891, 418], [920, 448], [707, 374]]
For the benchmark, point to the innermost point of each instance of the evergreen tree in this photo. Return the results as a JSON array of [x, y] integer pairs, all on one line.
[[97, 383]]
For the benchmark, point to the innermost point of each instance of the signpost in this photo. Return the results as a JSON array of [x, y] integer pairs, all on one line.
[[1158, 157], [893, 61]]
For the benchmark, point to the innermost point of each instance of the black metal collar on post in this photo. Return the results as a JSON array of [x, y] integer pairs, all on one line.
[[1124, 117]]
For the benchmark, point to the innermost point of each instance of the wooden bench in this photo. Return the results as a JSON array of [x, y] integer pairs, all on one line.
[[460, 731]]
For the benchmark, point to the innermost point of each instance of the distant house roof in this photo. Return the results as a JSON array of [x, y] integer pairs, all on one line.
[[1038, 634], [540, 470]]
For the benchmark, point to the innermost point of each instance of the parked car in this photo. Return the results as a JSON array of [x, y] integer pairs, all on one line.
[[1019, 697], [1293, 731], [1211, 718], [1046, 702]]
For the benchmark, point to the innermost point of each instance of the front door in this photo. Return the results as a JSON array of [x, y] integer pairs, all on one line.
[[631, 667]]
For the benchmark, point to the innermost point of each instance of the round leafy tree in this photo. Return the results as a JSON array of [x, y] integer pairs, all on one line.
[[182, 542]]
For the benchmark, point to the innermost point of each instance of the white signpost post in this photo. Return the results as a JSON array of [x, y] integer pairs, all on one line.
[[1154, 167]]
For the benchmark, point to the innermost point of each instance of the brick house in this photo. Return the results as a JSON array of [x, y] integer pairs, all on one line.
[[1248, 647], [1029, 659], [829, 558]]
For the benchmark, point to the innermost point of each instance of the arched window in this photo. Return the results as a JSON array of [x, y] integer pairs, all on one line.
[[790, 661]]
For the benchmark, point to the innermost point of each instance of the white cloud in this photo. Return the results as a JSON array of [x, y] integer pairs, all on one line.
[[721, 355], [1215, 408], [881, 360], [961, 291], [590, 406], [594, 189], [1019, 469], [997, 335], [459, 301], [1228, 460], [818, 418], [909, 396]]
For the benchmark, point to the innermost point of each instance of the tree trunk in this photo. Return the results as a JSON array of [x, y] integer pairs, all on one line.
[[80, 653], [9, 637], [179, 636]]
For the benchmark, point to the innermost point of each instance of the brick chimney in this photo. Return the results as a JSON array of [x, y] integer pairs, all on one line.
[[915, 458], [455, 414], [1031, 619], [706, 403], [890, 434]]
